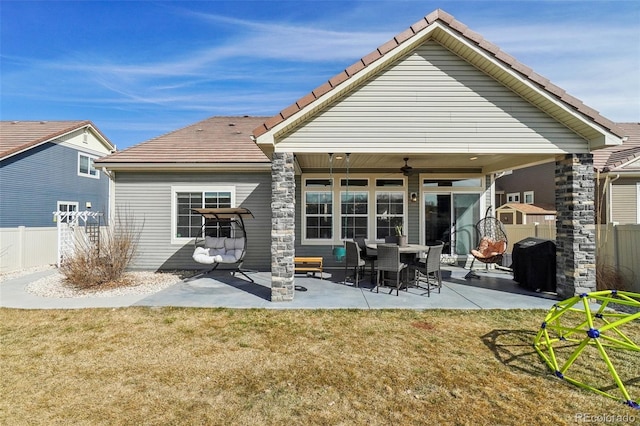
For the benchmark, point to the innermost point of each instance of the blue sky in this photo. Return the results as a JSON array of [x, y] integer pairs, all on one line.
[[139, 69]]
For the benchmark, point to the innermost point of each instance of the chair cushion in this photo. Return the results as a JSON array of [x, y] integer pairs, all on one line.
[[219, 250], [489, 248]]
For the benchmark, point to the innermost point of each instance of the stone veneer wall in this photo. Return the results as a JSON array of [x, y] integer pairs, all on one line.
[[575, 225], [283, 205]]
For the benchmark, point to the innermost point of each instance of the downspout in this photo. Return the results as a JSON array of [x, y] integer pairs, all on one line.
[[609, 199]]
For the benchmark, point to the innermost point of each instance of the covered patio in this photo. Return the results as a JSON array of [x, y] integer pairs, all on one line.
[[414, 134], [495, 290]]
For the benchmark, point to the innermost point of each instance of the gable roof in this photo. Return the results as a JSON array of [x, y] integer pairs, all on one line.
[[427, 26], [214, 142], [20, 136], [611, 158], [528, 208]]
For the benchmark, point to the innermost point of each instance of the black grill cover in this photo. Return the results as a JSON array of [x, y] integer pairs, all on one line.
[[534, 264]]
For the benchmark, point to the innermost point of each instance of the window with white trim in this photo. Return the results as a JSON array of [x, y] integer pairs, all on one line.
[[86, 167], [389, 207], [354, 214], [389, 213], [528, 197], [339, 210], [513, 197], [187, 224], [67, 206]]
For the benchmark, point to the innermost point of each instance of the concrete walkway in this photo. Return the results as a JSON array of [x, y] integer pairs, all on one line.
[[495, 290]]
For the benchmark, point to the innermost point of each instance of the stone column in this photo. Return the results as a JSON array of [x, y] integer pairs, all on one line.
[[575, 225], [283, 205]]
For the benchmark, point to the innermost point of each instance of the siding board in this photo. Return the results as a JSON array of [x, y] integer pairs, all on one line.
[[148, 195], [435, 102]]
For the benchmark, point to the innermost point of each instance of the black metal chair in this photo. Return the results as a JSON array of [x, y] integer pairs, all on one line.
[[389, 261], [353, 260], [430, 269]]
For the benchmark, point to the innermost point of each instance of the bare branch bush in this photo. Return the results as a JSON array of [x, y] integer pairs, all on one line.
[[104, 264]]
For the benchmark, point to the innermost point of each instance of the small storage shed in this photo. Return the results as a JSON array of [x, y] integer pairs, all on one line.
[[522, 214]]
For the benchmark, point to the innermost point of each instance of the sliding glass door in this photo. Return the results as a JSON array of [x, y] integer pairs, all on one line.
[[451, 217]]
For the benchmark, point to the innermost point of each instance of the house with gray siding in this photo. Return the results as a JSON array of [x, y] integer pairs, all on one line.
[[617, 181], [46, 166], [414, 134]]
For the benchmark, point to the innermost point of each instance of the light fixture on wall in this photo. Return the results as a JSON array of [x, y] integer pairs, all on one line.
[[413, 197], [87, 205]]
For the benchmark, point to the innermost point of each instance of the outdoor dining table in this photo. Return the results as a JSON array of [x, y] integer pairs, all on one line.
[[406, 249], [408, 254]]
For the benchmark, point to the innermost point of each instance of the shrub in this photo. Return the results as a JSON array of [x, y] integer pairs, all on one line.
[[103, 263]]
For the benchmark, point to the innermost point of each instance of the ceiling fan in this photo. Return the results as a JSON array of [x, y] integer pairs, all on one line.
[[406, 169]]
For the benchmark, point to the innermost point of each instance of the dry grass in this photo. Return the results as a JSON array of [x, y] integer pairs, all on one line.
[[251, 367]]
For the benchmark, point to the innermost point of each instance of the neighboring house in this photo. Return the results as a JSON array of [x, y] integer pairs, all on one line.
[[47, 166], [618, 174], [617, 181], [413, 134], [523, 214]]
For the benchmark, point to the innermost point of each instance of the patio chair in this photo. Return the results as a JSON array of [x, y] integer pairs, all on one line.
[[430, 269], [353, 260], [366, 254], [492, 243], [389, 261]]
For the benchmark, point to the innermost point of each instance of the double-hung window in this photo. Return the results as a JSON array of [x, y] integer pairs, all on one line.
[[358, 207], [389, 207], [318, 209], [85, 166], [354, 208], [188, 224]]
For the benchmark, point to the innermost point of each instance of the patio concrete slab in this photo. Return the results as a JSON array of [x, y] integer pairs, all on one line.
[[221, 290]]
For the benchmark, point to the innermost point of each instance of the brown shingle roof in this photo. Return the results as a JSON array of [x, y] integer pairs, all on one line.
[[214, 140], [422, 25], [609, 158], [18, 136]]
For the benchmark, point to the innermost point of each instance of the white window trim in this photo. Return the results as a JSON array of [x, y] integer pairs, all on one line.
[[194, 188], [513, 197], [525, 197], [404, 211], [317, 241], [91, 158], [336, 214], [76, 204], [360, 189]]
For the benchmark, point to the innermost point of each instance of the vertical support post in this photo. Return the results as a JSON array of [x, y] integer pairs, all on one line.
[[575, 225], [282, 226]]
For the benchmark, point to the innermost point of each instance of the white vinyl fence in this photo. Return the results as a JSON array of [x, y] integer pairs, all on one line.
[[22, 248]]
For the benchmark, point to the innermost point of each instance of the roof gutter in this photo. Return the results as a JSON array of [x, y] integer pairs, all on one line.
[[184, 166]]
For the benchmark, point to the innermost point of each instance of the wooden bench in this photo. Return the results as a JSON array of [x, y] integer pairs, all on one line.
[[308, 264]]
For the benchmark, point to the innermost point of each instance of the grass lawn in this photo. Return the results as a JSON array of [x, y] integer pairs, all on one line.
[[251, 367]]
